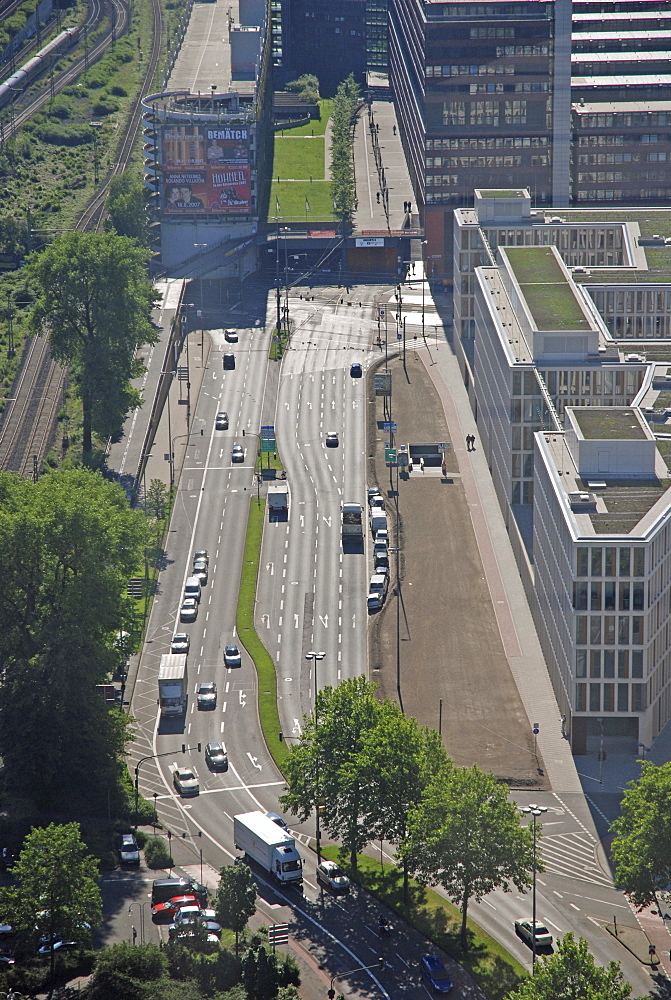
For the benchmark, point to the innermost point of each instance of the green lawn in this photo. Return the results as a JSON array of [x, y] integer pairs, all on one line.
[[265, 668], [300, 154], [292, 199], [437, 919], [298, 157]]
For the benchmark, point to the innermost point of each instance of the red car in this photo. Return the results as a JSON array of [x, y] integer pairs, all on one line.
[[168, 909]]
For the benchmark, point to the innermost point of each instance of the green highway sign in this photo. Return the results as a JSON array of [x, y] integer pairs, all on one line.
[[390, 456]]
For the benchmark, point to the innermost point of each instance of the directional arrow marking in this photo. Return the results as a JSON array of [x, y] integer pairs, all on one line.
[[254, 760], [324, 620], [243, 698]]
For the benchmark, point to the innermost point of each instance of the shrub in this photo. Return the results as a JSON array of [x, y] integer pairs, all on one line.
[[156, 853]]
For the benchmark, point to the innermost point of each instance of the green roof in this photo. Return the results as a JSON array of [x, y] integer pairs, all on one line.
[[599, 423], [502, 192], [550, 297], [627, 501]]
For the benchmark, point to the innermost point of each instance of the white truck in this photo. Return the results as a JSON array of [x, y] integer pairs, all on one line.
[[172, 684], [278, 499], [269, 845]]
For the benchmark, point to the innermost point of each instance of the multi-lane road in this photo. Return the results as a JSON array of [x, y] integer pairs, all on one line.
[[311, 597]]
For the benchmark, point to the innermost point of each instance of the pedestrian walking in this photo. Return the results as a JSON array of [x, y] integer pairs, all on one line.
[[472, 442], [394, 127], [409, 207], [378, 197], [468, 442]]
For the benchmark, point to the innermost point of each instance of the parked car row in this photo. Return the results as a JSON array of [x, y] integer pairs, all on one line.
[[379, 581]]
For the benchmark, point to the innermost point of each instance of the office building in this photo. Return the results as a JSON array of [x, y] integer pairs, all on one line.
[[572, 419]]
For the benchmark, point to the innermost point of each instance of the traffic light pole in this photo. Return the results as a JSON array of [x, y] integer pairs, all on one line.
[[360, 968]]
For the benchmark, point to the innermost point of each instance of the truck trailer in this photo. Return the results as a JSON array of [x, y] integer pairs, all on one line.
[[172, 684], [269, 845], [352, 521]]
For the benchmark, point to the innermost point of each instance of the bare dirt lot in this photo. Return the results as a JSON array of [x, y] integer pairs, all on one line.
[[450, 648]]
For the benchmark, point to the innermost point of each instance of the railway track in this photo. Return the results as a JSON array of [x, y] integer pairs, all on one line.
[[29, 423]]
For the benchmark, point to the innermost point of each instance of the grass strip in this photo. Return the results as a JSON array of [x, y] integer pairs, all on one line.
[[439, 921], [265, 668]]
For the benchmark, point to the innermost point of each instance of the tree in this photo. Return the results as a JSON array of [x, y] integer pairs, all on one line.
[[127, 204], [56, 887], [68, 545], [466, 836], [572, 974], [343, 186], [321, 766], [94, 302], [259, 973], [306, 86], [397, 761], [641, 848], [235, 901], [122, 970]]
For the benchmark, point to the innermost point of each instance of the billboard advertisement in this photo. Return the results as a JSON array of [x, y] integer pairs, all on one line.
[[206, 170]]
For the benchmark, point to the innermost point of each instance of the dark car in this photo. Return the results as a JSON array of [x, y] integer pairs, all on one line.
[[356, 370], [221, 422], [216, 757], [229, 362], [277, 820], [331, 440], [201, 554], [238, 453], [231, 336], [435, 974]]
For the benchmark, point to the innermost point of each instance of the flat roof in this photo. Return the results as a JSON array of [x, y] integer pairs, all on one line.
[[620, 15], [551, 298], [641, 35], [600, 107], [601, 423], [502, 192], [661, 79], [621, 505], [606, 57]]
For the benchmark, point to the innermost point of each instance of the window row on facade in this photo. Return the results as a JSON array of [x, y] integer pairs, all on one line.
[[620, 194], [604, 698], [625, 120], [484, 113], [621, 663], [595, 159], [527, 87], [490, 142], [610, 561]]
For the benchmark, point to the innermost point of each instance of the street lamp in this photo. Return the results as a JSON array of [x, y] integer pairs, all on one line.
[[315, 657], [360, 968], [142, 906], [534, 811]]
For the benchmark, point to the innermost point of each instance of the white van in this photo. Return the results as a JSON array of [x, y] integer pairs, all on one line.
[[378, 521], [192, 587], [377, 591]]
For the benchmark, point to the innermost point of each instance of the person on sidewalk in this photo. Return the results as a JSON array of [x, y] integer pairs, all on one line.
[[394, 127]]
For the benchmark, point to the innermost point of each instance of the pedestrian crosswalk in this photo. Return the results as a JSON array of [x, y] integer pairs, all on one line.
[[573, 855]]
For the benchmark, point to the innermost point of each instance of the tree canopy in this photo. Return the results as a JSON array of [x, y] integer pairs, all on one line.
[[94, 301], [56, 886], [572, 974], [306, 86], [466, 835], [68, 545], [343, 185], [127, 205], [235, 901], [641, 848]]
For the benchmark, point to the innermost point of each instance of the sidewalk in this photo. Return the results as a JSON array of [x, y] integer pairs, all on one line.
[[370, 214]]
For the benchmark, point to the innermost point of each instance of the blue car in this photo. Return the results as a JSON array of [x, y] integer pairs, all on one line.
[[435, 974], [356, 371]]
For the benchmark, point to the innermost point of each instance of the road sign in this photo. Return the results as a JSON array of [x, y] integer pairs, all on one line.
[[389, 425], [390, 456], [399, 336], [278, 934], [382, 383], [267, 431]]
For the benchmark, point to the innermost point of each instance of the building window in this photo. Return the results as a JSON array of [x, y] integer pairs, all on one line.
[[581, 663], [595, 697], [638, 699], [581, 697], [595, 663], [581, 561], [623, 697], [637, 663], [623, 631], [623, 663], [609, 663], [609, 697]]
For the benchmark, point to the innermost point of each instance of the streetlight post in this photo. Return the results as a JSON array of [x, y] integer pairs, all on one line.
[[315, 657], [142, 906], [360, 968], [534, 811], [154, 756]]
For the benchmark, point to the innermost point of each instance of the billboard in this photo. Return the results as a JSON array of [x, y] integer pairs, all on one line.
[[206, 170]]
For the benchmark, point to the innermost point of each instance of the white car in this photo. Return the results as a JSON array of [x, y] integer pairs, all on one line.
[[231, 336], [207, 695], [186, 781], [524, 929], [189, 610], [180, 643], [232, 657], [332, 877]]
